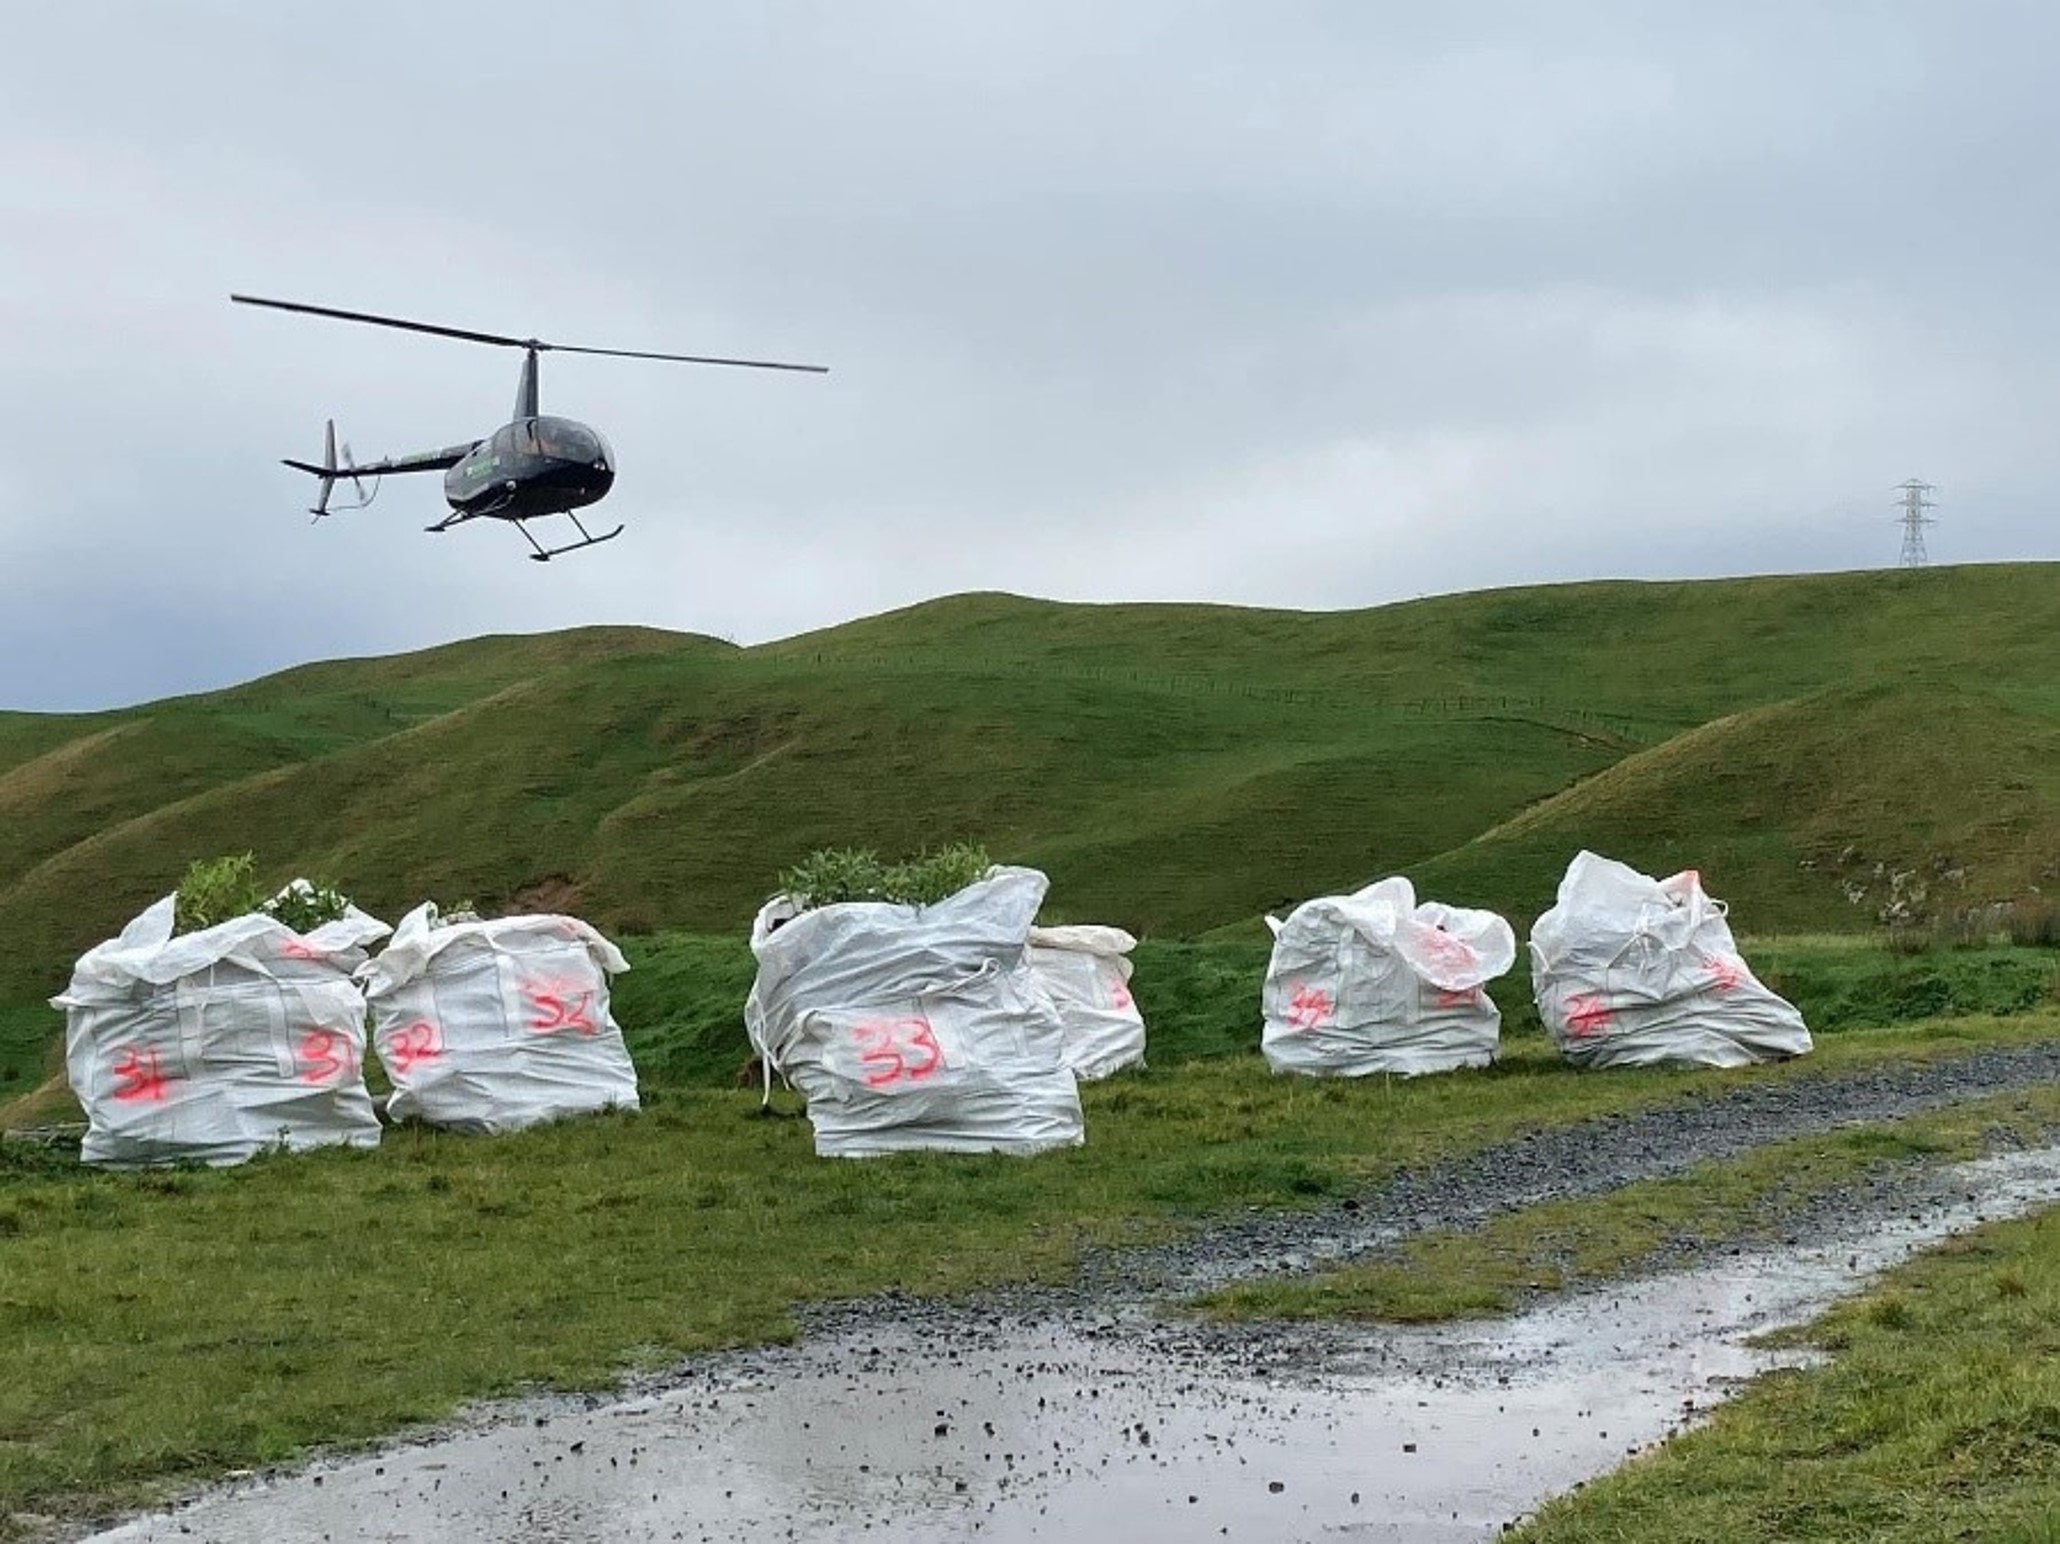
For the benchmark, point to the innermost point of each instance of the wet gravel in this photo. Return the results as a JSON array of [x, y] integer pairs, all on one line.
[[1588, 1158], [1069, 1411]]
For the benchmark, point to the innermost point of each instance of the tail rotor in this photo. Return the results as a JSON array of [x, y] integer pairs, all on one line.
[[330, 471]]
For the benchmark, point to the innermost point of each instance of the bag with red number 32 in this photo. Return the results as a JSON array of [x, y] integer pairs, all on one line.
[[215, 1046], [493, 1026], [1373, 982], [1631, 971], [910, 1028]]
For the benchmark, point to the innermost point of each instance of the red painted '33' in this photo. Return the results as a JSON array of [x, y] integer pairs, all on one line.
[[903, 1050]]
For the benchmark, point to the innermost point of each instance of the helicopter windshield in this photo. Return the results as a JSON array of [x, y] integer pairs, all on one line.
[[565, 440]]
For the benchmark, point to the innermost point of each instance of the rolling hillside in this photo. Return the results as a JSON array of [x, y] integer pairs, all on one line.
[[1175, 768]]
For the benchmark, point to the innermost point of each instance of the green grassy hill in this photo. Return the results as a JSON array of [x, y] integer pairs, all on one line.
[[1175, 768]]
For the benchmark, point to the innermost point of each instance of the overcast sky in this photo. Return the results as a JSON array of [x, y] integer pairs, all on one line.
[[1293, 304]]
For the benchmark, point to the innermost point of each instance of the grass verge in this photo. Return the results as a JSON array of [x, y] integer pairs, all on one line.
[[1937, 1418], [1450, 1274], [163, 1327]]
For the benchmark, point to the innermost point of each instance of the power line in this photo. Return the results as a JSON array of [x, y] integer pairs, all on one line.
[[1915, 520]]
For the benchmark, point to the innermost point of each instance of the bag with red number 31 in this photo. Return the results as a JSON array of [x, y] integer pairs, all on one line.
[[915, 1028], [493, 1026], [1373, 982], [1631, 971], [215, 1046]]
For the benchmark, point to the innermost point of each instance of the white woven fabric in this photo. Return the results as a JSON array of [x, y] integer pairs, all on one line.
[[489, 1027], [1631, 971], [916, 1028], [213, 1047], [1374, 982]]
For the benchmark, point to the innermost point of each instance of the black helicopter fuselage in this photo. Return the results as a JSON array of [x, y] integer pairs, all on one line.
[[530, 468]]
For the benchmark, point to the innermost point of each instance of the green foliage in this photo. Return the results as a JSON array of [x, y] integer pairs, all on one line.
[[214, 890], [833, 875], [217, 889], [307, 905]]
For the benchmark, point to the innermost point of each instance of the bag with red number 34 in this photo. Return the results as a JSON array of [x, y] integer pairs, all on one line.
[[1632, 971], [493, 1026], [215, 1046], [1085, 970], [1373, 982], [915, 1028]]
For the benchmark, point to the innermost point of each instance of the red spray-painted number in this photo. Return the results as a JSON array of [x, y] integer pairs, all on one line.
[[1310, 1008], [139, 1078], [561, 1005], [1587, 1016], [420, 1042], [1444, 949], [1464, 999], [1727, 974], [897, 1051], [324, 1055], [300, 949], [1119, 996]]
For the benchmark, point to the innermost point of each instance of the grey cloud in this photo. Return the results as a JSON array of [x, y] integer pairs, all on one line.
[[1304, 304]]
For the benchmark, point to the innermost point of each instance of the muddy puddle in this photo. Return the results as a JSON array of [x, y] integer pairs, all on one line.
[[949, 1427]]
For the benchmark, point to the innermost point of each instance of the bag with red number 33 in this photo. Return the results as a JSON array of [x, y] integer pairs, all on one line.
[[215, 1046], [1372, 982], [1631, 971], [493, 1026], [911, 1028]]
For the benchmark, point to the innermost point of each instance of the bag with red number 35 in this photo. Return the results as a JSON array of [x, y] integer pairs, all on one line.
[[1373, 982], [215, 1046], [1631, 971], [911, 1028], [489, 1027]]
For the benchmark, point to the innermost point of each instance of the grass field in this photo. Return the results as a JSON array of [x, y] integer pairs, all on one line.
[[1820, 747], [1937, 1418], [166, 1326], [1174, 768]]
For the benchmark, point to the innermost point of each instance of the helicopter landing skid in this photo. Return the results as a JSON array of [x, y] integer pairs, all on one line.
[[544, 554]]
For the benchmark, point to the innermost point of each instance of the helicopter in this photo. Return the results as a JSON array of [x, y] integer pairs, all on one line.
[[532, 467]]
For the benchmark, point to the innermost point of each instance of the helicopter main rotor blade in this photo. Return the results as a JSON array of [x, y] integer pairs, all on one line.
[[501, 340], [390, 321], [684, 359]]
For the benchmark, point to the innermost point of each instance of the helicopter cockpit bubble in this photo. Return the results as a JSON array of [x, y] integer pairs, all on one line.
[[564, 440]]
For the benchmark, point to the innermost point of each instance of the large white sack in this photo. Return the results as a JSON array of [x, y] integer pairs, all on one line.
[[1631, 971], [1374, 982], [915, 1028], [1086, 973], [215, 1046], [489, 1027]]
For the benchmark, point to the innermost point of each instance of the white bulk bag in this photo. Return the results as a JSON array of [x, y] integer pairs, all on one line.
[[1086, 973], [915, 1028], [216, 1046], [1632, 971], [1374, 982], [489, 1027]]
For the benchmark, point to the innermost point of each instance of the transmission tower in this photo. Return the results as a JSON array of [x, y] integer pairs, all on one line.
[[1915, 520]]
